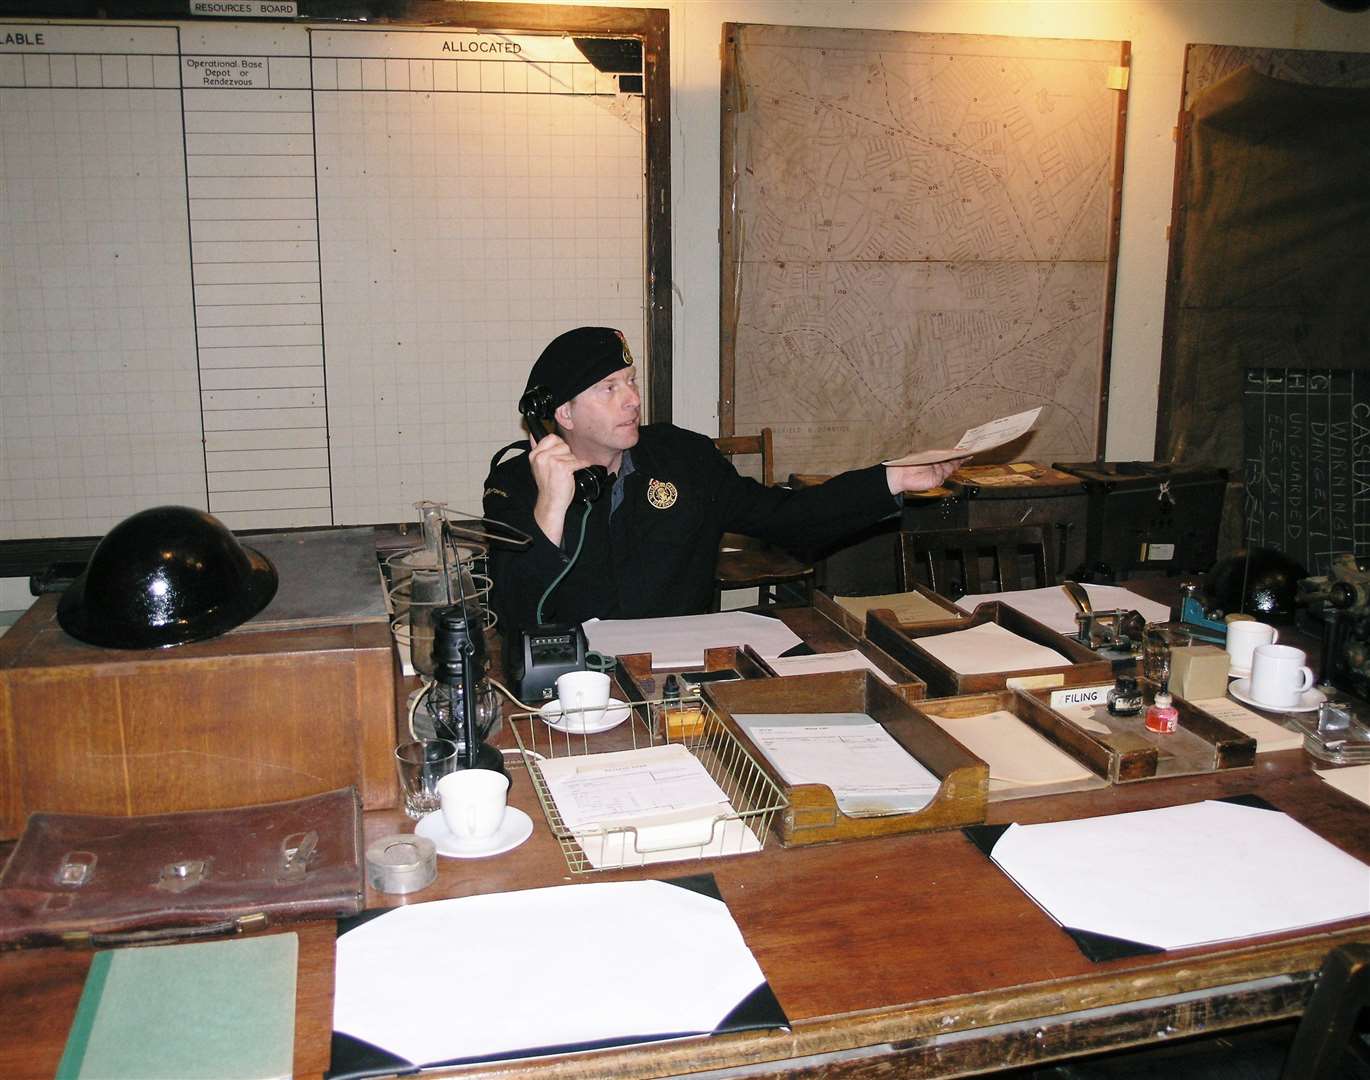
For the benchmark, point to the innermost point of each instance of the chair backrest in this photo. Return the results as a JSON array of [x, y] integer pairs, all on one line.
[[1323, 1038], [955, 562], [758, 444]]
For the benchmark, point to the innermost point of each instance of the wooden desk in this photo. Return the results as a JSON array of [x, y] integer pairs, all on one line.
[[907, 955]]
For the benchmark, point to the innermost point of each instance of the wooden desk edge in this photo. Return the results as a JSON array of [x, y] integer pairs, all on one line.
[[1297, 958]]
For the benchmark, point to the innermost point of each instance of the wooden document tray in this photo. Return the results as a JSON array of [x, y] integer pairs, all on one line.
[[641, 682], [1201, 744], [1035, 715], [830, 609], [901, 642], [812, 815]]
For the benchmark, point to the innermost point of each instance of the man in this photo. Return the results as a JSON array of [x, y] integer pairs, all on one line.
[[648, 545]]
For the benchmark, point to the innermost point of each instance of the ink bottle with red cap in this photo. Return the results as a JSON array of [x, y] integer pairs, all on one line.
[[1162, 717]]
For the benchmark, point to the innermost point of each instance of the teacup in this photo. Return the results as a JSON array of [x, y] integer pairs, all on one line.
[[584, 697], [473, 802], [1244, 636], [1279, 676]]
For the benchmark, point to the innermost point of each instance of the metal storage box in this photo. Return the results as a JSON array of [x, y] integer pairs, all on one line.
[[1150, 518], [977, 497]]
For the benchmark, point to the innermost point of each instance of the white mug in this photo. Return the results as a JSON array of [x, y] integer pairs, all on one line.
[[1279, 676], [584, 697], [473, 802], [1243, 637]]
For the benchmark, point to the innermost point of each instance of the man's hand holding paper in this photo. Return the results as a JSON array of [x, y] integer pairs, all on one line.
[[976, 440]]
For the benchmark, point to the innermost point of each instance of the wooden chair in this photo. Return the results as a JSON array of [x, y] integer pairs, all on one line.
[[747, 563], [955, 562]]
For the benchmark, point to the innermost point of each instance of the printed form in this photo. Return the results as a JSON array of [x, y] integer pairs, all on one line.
[[869, 773], [654, 804]]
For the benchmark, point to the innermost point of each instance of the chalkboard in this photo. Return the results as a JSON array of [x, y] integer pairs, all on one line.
[[1307, 462]]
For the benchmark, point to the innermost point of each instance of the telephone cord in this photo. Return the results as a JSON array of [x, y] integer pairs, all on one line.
[[580, 543]]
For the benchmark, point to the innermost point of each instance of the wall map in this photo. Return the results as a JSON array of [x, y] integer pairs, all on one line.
[[918, 236]]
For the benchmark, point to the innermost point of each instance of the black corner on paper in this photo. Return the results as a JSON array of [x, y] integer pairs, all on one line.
[[758, 1011], [985, 836], [351, 922], [355, 1059], [1255, 802], [1101, 947]]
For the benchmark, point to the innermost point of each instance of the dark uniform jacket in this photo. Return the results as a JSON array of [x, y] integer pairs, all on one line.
[[656, 554]]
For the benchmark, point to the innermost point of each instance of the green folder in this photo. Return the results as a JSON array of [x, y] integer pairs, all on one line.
[[212, 1009]]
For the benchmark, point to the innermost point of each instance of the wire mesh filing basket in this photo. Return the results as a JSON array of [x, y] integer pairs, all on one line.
[[741, 826]]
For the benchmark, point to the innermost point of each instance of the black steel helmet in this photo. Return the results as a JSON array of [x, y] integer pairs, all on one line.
[[1261, 581], [166, 576]]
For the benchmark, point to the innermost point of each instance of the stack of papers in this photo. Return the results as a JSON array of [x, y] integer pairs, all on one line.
[[986, 648], [1017, 755], [1055, 609], [869, 773], [851, 660], [1353, 780], [1268, 734], [680, 641], [908, 607], [654, 804]]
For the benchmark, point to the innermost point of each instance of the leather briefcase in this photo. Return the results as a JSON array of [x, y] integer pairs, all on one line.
[[86, 879]]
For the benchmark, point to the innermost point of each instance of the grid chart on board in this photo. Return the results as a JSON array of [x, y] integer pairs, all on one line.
[[294, 276], [470, 211], [99, 406]]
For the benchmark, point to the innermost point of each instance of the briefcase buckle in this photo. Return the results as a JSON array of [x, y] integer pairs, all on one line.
[[183, 874]]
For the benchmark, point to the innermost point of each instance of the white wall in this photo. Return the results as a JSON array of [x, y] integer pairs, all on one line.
[[1158, 31]]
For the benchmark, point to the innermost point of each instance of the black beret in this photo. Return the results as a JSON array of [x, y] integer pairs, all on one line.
[[578, 359]]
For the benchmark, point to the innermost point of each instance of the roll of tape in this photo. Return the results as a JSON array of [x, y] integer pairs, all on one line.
[[401, 863]]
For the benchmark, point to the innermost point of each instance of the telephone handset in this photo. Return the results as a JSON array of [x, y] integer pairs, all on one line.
[[536, 407]]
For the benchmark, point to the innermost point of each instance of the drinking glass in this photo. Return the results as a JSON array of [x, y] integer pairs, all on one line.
[[421, 765]]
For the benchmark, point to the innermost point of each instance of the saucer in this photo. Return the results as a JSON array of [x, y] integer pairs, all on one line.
[[615, 714], [513, 830], [1308, 700]]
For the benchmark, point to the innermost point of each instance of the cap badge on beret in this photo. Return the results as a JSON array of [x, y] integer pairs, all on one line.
[[662, 494]]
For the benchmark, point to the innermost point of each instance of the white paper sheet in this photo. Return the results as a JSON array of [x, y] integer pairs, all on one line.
[[1054, 608], [850, 660], [869, 773], [1016, 755], [596, 789], [977, 439], [1353, 780], [680, 641], [988, 648], [1268, 734], [653, 804], [1185, 875], [485, 975]]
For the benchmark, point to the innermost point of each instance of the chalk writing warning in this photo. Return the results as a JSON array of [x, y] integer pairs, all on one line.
[[1307, 463]]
